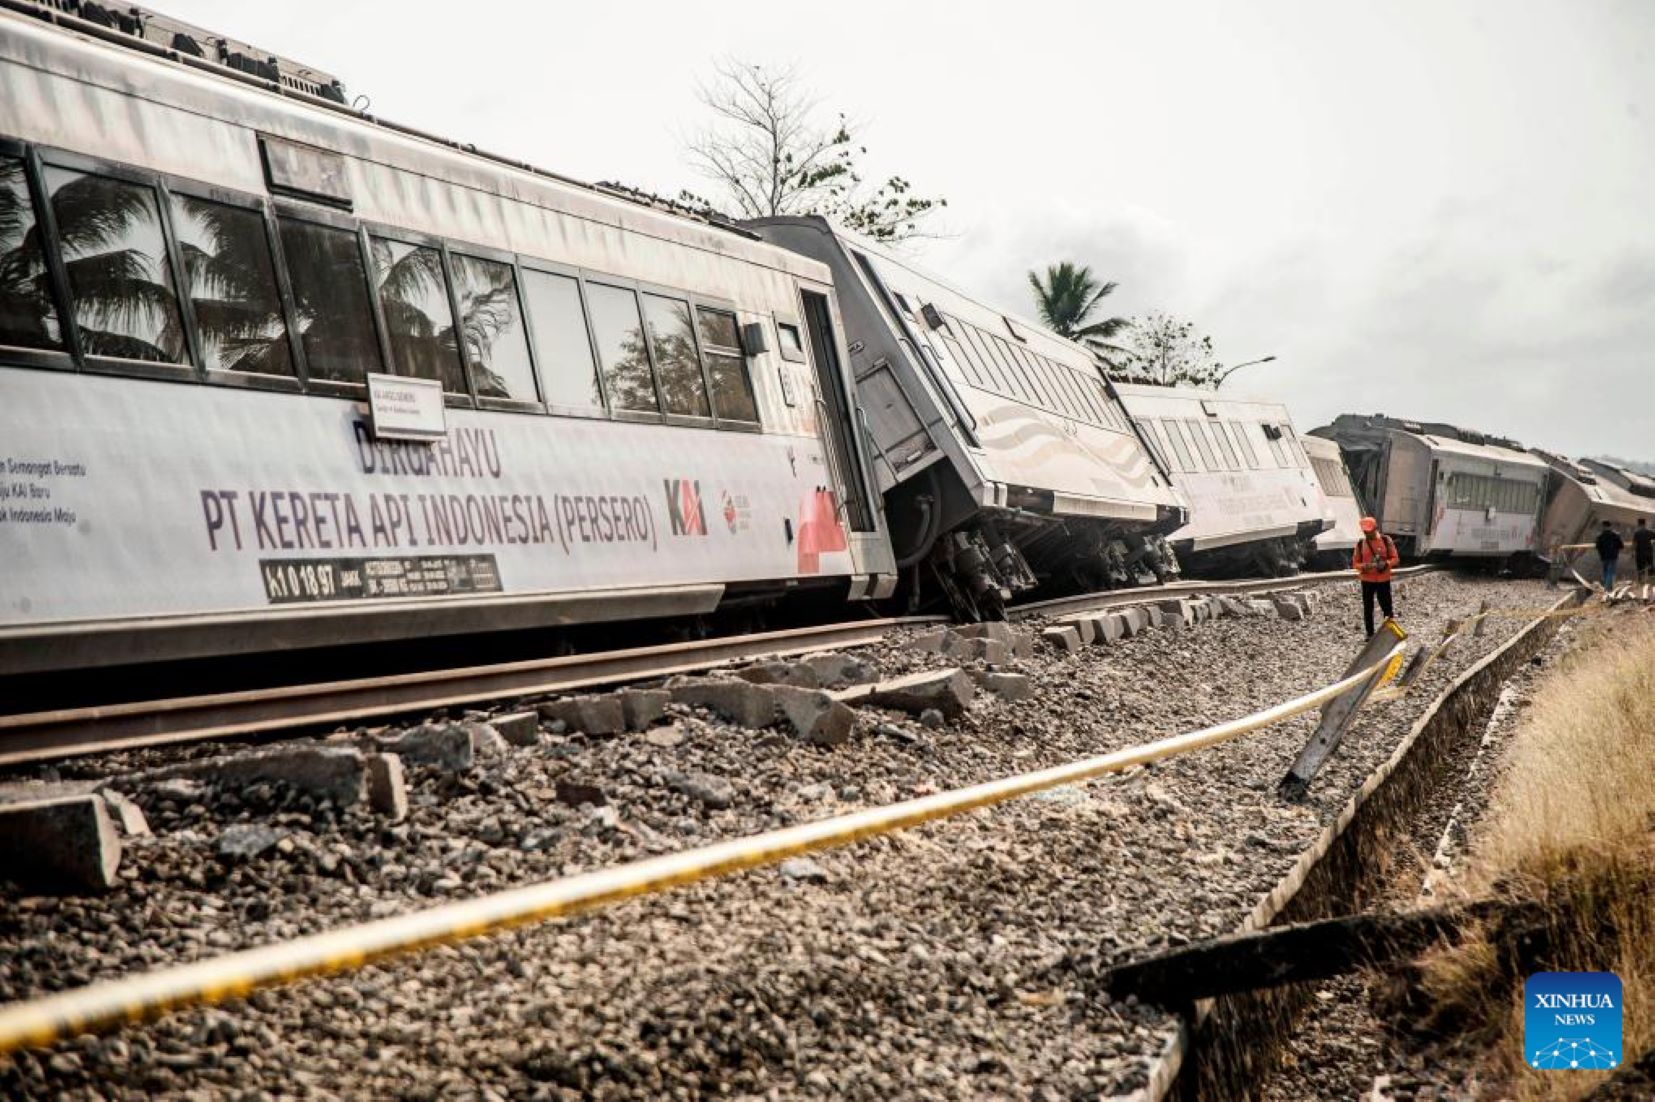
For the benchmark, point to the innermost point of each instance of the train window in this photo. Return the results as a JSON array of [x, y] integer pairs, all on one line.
[[28, 316], [1239, 432], [568, 372], [1169, 430], [672, 342], [788, 341], [956, 352], [620, 332], [1199, 440], [419, 319], [330, 294], [727, 367], [495, 346], [1222, 440], [120, 279], [231, 282]]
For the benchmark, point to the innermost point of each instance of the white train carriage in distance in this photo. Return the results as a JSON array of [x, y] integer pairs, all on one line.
[[1005, 461], [1340, 506], [1443, 491], [1255, 504], [1584, 494], [204, 259]]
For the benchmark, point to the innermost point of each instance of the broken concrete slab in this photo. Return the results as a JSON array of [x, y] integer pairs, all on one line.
[[948, 691], [518, 728], [817, 718], [643, 708], [126, 814], [1259, 606], [1287, 608], [387, 787], [1083, 627], [600, 715], [997, 630], [1006, 686], [798, 674], [63, 844], [245, 841], [1065, 639], [447, 746], [835, 670], [334, 773], [736, 700]]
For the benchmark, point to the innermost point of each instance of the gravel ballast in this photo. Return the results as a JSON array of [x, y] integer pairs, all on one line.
[[952, 960]]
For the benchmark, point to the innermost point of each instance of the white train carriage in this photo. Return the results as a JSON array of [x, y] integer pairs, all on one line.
[[1255, 504], [205, 261], [1341, 508], [1443, 491], [1005, 460]]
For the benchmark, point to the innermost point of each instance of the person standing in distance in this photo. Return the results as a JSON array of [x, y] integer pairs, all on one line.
[[1609, 544], [1373, 562], [1643, 548]]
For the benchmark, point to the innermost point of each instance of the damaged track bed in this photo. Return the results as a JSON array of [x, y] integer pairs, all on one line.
[[954, 959]]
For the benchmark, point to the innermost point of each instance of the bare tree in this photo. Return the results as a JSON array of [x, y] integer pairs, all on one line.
[[1160, 348], [769, 154]]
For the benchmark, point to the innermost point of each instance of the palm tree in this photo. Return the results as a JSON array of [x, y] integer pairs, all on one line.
[[1067, 298]]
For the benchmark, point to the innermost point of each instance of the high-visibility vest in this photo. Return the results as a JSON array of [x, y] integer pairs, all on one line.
[[1372, 566]]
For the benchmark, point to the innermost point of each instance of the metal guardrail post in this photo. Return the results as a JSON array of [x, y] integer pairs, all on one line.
[[1338, 713]]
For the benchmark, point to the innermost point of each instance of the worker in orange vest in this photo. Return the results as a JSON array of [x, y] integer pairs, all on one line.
[[1373, 562]]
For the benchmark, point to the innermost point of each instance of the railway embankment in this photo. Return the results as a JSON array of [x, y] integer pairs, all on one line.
[[954, 959]]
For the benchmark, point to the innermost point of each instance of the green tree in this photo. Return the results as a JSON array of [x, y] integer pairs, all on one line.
[[1165, 350], [768, 154], [1066, 300]]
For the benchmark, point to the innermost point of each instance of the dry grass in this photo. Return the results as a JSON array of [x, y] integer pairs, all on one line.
[[1572, 825]]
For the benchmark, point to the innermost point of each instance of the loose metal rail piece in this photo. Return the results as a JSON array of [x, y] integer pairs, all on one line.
[[135, 998]]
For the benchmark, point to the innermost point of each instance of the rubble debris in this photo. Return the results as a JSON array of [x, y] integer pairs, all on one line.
[[63, 844]]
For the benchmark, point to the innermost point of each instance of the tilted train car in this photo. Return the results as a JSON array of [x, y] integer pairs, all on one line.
[[1255, 504], [205, 257], [1584, 494], [1006, 462], [1443, 491], [1340, 506]]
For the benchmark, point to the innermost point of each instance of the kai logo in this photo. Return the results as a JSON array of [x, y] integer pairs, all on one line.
[[684, 512], [1572, 1020]]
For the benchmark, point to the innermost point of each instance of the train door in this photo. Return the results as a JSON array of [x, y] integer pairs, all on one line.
[[835, 410]]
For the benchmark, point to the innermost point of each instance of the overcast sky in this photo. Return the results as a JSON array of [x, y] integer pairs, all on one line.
[[1433, 209]]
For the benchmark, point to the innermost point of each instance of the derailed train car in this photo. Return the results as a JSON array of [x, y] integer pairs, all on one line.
[[1341, 508], [1442, 491], [1006, 462], [1255, 503], [1584, 494], [209, 261]]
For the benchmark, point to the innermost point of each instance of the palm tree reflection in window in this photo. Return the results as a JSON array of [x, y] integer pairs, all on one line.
[[418, 318], [28, 317], [330, 296], [232, 287], [109, 232], [672, 339], [491, 329]]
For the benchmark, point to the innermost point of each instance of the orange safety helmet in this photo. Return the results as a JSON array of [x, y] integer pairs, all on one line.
[[1370, 525]]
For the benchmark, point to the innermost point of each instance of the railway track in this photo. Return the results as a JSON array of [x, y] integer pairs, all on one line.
[[59, 733]]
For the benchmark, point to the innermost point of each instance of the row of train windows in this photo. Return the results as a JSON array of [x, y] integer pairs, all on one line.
[[1481, 491], [481, 326], [1190, 444], [1331, 474], [991, 362]]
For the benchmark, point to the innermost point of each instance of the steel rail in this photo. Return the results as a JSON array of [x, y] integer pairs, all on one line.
[[135, 998], [42, 736], [1115, 598]]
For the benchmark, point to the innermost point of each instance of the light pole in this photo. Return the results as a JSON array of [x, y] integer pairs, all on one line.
[[1238, 367]]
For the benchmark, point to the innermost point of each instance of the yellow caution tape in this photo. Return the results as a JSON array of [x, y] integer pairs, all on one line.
[[135, 998]]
